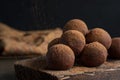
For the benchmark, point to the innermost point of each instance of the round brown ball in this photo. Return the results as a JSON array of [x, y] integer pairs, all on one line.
[[114, 50], [76, 24], [60, 57], [53, 42], [2, 46], [93, 54], [74, 39], [100, 35]]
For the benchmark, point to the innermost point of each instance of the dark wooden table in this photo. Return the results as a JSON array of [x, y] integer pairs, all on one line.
[[35, 69], [7, 71]]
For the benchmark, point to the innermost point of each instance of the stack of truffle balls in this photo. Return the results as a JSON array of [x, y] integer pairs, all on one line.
[[79, 45]]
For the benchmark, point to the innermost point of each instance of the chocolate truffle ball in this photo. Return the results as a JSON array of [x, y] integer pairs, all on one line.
[[76, 24], [60, 57], [100, 35], [53, 42], [2, 46], [93, 54], [74, 39], [114, 50]]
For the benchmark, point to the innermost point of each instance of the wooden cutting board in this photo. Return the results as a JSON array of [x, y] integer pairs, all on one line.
[[35, 69]]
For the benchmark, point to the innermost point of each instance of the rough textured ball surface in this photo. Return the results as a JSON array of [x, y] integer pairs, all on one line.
[[74, 39], [53, 42], [60, 57], [93, 54], [100, 35], [114, 50], [76, 24]]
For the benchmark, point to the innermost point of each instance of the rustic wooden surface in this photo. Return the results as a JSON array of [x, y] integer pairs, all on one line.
[[36, 69]]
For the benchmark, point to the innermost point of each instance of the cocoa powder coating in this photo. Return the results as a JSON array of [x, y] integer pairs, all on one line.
[[75, 40], [53, 42], [60, 57], [100, 35], [114, 50], [93, 54], [76, 24]]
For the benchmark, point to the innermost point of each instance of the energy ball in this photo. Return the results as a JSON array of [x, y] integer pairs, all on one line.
[[100, 35], [93, 54], [114, 50], [53, 42], [74, 39], [60, 57], [76, 24], [2, 46]]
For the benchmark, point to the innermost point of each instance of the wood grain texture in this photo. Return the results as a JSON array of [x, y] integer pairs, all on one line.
[[36, 69]]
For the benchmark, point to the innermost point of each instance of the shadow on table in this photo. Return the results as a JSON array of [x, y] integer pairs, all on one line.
[[8, 76]]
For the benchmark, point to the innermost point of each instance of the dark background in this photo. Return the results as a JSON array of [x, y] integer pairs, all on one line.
[[45, 14]]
